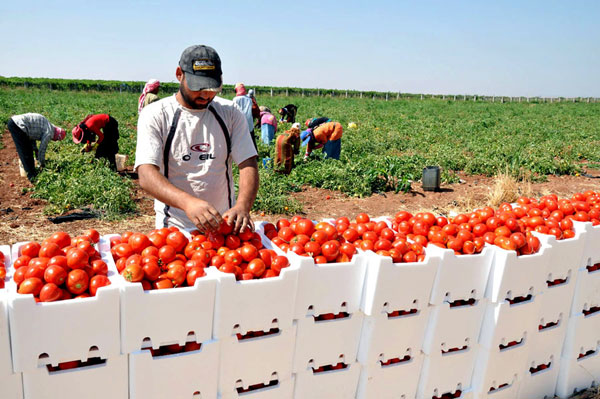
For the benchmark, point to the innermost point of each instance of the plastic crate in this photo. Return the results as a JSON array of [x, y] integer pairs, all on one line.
[[254, 305], [6, 367], [513, 276], [460, 276], [591, 250], [386, 335], [326, 342], [339, 384], [540, 383], [587, 289], [397, 286], [108, 380], [508, 389], [11, 386], [444, 373], [38, 329], [453, 325], [181, 375], [567, 254], [175, 316], [577, 375], [329, 287], [391, 381], [256, 360]]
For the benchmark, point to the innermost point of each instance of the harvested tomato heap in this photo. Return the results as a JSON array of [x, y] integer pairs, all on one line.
[[61, 267], [166, 258], [328, 243], [2, 269]]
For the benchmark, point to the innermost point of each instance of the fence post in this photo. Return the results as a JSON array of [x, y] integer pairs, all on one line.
[[302, 92], [271, 92], [475, 97], [318, 92], [421, 96], [386, 96], [346, 93], [398, 96], [361, 94]]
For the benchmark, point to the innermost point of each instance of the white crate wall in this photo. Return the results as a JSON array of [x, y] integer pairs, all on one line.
[[108, 380], [340, 384], [179, 375], [11, 386], [391, 381]]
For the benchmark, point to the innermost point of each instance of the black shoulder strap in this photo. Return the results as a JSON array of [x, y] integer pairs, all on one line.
[[166, 152], [167, 148], [228, 141]]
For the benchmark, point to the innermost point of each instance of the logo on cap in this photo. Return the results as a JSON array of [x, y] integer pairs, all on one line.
[[203, 65]]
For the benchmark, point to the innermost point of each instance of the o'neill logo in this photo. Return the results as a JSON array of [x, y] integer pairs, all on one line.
[[202, 147]]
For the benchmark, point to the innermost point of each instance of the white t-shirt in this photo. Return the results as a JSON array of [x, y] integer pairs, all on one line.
[[197, 158], [244, 103]]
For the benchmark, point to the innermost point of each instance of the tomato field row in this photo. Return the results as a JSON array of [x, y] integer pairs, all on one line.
[[394, 140]]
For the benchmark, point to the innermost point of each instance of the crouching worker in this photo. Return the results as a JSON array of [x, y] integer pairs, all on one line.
[[286, 146], [99, 131], [25, 130], [288, 113], [330, 132]]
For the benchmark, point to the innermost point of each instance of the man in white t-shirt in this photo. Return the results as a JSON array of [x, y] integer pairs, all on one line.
[[185, 148]]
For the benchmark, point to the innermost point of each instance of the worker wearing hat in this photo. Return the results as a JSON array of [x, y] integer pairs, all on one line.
[[25, 130], [186, 145]]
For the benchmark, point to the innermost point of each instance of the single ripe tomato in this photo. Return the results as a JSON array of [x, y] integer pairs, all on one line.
[[93, 235], [31, 285], [50, 293], [77, 259], [193, 274], [279, 262], [138, 242], [96, 282], [77, 281], [55, 274], [31, 249], [256, 267], [61, 238]]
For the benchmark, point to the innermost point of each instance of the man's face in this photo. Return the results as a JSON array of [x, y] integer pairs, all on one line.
[[194, 99]]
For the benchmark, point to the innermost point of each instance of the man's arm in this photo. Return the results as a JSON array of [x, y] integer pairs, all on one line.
[[239, 215], [200, 212]]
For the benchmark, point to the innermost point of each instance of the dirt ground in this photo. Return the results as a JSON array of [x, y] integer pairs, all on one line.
[[22, 218]]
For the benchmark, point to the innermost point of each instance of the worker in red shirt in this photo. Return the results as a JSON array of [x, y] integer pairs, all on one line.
[[100, 131]]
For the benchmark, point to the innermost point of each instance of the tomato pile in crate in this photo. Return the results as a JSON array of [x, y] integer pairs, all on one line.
[[60, 268]]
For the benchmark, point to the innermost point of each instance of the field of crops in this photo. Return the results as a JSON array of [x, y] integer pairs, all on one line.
[[393, 142]]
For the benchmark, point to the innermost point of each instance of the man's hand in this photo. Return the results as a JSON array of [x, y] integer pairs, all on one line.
[[203, 215], [239, 218]]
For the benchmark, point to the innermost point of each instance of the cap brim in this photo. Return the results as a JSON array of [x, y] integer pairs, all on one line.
[[197, 83]]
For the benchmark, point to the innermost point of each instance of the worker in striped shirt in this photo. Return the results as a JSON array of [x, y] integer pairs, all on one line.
[[26, 130], [286, 146]]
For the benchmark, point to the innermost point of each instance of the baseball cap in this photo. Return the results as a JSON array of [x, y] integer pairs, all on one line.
[[202, 67]]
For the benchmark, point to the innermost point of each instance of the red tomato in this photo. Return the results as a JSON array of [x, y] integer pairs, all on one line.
[[61, 238], [55, 274], [77, 281], [31, 285], [177, 274], [162, 284], [77, 258], [151, 271], [50, 250], [166, 254], [177, 240], [305, 226], [279, 262], [331, 249], [31, 249], [122, 250], [193, 274], [233, 258], [50, 293], [97, 282], [256, 267], [249, 252]]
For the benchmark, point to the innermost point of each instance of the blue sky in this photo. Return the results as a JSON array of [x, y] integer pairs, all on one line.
[[510, 47]]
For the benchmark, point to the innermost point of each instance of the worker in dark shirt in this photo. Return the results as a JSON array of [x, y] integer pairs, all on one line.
[[288, 113]]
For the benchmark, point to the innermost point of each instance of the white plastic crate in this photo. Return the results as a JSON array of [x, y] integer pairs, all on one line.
[[38, 329], [326, 342], [6, 368], [503, 322], [460, 276], [395, 286], [513, 276], [254, 305], [329, 287], [11, 386], [181, 375], [255, 360], [339, 384], [108, 380], [587, 289], [591, 249], [391, 381], [578, 374], [453, 326], [566, 255], [548, 338], [175, 312], [386, 335], [540, 383], [446, 372], [281, 390], [583, 335]]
